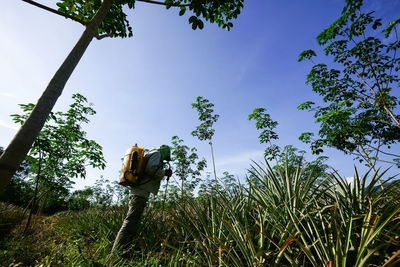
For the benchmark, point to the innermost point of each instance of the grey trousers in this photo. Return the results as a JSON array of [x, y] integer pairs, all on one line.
[[131, 223]]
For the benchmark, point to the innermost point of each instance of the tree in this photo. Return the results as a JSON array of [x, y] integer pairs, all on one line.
[[267, 125], [229, 184], [360, 111], [207, 186], [101, 19], [121, 193], [287, 158], [61, 151], [168, 194], [292, 158], [80, 199], [102, 192], [187, 165], [205, 131]]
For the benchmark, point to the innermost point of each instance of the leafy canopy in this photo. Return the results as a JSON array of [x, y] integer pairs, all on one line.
[[116, 24], [62, 150], [360, 112], [188, 167], [288, 157], [205, 112], [264, 123]]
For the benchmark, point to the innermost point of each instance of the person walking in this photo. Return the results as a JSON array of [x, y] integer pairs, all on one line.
[[150, 181]]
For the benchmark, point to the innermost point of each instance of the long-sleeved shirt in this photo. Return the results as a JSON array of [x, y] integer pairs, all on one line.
[[153, 173]]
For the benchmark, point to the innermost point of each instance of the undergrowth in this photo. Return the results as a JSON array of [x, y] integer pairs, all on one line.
[[281, 219]]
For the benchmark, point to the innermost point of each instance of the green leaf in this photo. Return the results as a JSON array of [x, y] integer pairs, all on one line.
[[305, 106], [306, 54], [392, 25], [377, 23], [182, 11], [306, 137], [200, 24]]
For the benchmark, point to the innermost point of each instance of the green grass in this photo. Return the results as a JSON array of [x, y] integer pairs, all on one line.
[[284, 219]]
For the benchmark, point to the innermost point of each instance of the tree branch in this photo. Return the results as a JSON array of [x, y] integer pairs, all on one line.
[[99, 37], [397, 123], [363, 96], [55, 11], [394, 58], [382, 100], [389, 162], [161, 3], [384, 122], [383, 152], [367, 158]]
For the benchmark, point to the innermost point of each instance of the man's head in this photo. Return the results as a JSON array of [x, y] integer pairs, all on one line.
[[165, 152]]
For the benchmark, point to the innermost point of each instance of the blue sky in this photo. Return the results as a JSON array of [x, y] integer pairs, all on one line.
[[142, 87]]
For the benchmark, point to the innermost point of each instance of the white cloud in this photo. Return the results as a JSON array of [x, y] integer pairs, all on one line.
[[241, 158], [7, 125], [6, 94], [350, 180]]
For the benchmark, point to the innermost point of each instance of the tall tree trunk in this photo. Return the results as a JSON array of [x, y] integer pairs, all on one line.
[[17, 150]]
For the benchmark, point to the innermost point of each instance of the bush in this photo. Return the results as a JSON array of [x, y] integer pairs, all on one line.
[[10, 216]]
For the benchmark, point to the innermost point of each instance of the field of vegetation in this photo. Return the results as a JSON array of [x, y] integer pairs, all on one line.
[[288, 211], [282, 218]]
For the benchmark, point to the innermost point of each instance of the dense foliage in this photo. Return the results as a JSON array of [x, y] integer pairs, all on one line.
[[360, 113], [187, 166], [60, 152], [116, 24]]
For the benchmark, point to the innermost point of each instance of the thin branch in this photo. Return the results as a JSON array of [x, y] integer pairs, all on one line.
[[55, 11], [361, 78], [385, 122], [162, 3], [383, 152], [382, 100], [377, 149], [394, 56], [99, 37], [367, 157], [373, 69], [371, 164], [389, 162], [380, 160], [363, 96]]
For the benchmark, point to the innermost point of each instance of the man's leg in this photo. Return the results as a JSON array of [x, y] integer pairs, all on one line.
[[131, 223]]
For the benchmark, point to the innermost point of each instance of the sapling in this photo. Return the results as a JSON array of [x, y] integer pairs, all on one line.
[[205, 131], [288, 157], [187, 165], [62, 150]]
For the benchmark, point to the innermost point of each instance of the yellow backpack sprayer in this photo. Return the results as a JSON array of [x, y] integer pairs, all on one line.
[[133, 166]]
